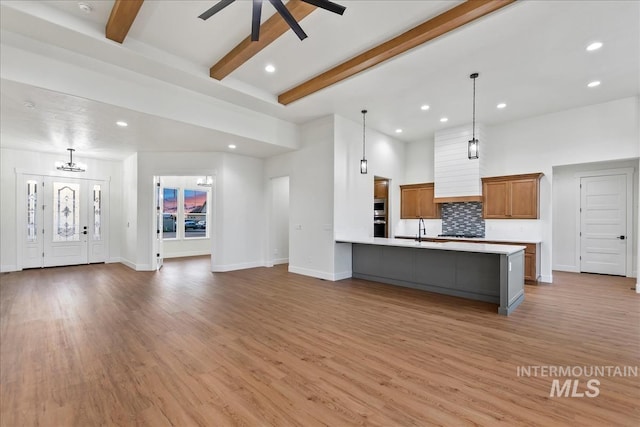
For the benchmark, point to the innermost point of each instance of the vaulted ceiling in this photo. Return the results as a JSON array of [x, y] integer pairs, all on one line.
[[530, 55]]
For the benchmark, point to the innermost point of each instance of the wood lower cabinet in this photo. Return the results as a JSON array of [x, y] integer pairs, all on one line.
[[511, 197], [416, 201]]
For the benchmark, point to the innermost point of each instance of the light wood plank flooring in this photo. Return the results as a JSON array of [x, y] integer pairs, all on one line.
[[104, 345]]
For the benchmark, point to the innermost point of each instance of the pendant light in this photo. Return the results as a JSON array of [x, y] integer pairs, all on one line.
[[70, 166], [205, 181], [363, 162], [474, 143]]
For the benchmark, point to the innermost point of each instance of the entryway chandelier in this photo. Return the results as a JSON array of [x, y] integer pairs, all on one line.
[[70, 166]]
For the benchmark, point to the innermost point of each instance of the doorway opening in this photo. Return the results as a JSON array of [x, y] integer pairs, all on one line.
[[278, 251], [183, 219], [595, 217], [381, 207]]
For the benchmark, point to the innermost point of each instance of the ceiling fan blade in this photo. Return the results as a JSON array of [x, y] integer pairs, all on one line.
[[327, 5], [289, 19], [255, 20], [215, 9]]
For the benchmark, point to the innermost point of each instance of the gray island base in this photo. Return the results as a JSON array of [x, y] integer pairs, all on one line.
[[484, 272]]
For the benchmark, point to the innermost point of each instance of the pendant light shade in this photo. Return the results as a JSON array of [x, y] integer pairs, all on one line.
[[70, 166], [363, 162], [473, 149], [205, 181]]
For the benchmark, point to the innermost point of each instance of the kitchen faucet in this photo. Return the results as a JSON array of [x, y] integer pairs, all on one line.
[[421, 229]]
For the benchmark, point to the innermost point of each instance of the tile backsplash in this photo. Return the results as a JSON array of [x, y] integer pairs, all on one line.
[[462, 218]]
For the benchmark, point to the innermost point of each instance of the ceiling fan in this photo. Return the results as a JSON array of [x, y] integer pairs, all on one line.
[[280, 8]]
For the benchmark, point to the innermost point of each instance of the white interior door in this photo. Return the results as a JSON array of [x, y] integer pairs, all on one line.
[[159, 223], [64, 221], [603, 224]]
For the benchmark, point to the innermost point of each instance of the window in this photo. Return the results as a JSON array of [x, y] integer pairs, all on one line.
[[195, 213], [169, 212], [187, 207]]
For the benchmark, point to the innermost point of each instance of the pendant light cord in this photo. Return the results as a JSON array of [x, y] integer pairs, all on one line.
[[474, 76], [364, 112]]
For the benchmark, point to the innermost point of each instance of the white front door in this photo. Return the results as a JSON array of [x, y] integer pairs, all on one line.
[[603, 224], [65, 221]]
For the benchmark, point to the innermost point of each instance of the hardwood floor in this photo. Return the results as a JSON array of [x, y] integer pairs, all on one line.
[[104, 345]]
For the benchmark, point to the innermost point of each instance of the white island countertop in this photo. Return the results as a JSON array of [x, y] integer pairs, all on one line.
[[487, 248]]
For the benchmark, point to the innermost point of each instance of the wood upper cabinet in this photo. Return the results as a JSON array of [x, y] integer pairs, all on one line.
[[511, 197], [380, 190], [416, 201]]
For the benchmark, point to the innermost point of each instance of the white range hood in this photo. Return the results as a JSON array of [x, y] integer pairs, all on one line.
[[457, 178]]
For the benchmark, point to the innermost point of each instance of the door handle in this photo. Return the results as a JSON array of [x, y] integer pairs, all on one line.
[[621, 237]]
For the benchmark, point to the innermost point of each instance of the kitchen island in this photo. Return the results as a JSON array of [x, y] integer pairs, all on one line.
[[485, 272]]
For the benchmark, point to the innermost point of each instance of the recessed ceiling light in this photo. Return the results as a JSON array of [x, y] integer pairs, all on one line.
[[232, 146], [594, 83], [398, 130], [122, 124], [501, 105], [425, 107], [270, 68], [444, 119], [85, 7], [594, 46]]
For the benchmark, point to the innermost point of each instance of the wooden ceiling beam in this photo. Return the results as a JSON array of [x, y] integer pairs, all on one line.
[[123, 14], [273, 28], [448, 21]]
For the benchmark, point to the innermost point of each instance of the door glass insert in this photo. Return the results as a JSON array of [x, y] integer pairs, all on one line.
[[66, 215], [169, 212], [32, 203], [97, 200]]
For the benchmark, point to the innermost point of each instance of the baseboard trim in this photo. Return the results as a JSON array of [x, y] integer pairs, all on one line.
[[280, 261], [186, 254], [114, 260], [546, 279], [128, 263], [567, 268], [221, 268], [316, 273], [8, 268], [343, 275]]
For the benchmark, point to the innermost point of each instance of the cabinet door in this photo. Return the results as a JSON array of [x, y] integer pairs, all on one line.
[[530, 267], [380, 189], [496, 199], [524, 199], [426, 207], [409, 203]]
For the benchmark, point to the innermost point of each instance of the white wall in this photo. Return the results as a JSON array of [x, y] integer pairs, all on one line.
[[419, 168], [353, 191], [600, 132], [566, 205], [193, 246], [238, 206], [43, 164], [311, 243], [129, 235]]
